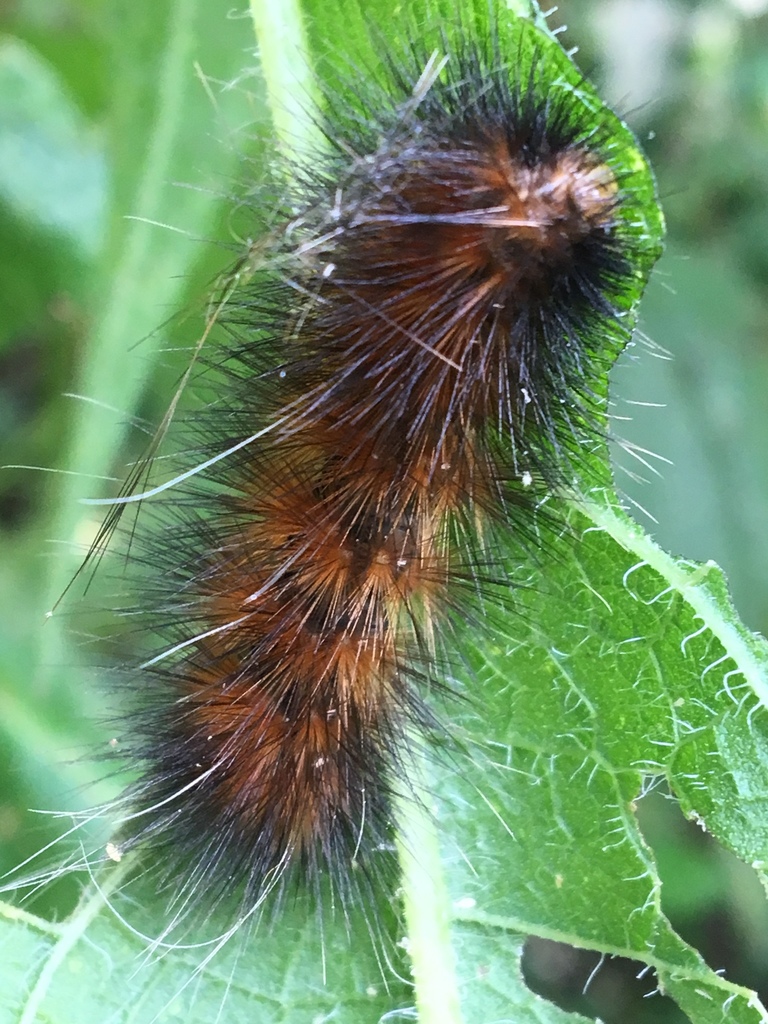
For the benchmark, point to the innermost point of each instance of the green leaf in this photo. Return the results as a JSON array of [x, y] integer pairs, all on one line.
[[611, 665], [91, 968], [622, 665]]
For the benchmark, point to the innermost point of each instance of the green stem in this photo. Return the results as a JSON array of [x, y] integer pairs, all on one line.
[[426, 904], [70, 933], [288, 75]]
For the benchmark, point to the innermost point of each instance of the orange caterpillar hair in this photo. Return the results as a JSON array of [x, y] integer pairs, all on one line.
[[418, 365]]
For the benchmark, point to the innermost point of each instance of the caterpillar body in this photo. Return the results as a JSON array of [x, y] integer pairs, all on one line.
[[416, 366]]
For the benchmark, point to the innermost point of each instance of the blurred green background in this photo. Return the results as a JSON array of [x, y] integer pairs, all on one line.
[[124, 129]]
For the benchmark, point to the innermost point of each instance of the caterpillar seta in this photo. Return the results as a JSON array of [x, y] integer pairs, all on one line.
[[410, 362]]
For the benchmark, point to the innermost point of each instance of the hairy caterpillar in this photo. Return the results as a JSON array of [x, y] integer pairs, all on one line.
[[415, 367]]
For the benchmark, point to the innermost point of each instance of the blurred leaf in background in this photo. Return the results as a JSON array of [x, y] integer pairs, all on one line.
[[88, 139], [692, 79], [118, 154]]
